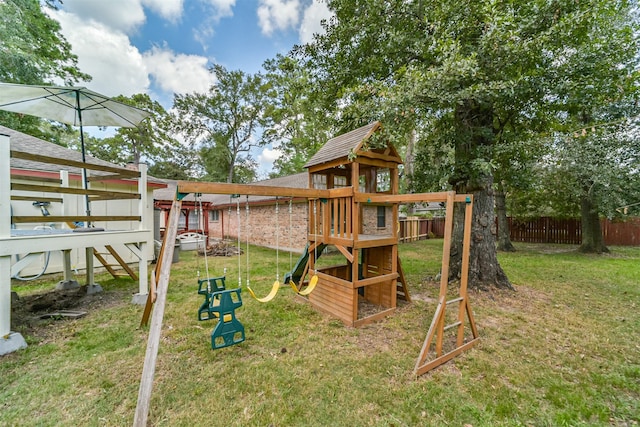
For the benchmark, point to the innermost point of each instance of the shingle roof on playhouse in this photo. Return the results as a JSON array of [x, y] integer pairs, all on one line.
[[342, 146]]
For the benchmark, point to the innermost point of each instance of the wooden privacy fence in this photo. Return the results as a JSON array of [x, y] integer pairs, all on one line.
[[538, 230], [621, 233], [569, 231], [415, 228], [545, 230]]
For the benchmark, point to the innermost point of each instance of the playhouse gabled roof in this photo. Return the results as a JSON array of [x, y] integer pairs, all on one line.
[[341, 146]]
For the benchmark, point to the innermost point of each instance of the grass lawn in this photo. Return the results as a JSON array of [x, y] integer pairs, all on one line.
[[564, 349]]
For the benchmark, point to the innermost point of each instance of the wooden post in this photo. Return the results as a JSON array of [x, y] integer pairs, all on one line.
[[145, 223], [90, 277], [153, 342], [66, 205], [444, 275], [464, 273], [5, 232]]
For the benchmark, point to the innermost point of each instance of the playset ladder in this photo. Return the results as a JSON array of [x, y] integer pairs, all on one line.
[[100, 256], [438, 325], [402, 290]]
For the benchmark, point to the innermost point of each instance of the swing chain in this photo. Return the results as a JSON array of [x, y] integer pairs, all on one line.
[[200, 214], [238, 220], [277, 243], [248, 235], [290, 230]]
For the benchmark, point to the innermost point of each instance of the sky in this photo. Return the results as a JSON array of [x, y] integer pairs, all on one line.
[[162, 47]]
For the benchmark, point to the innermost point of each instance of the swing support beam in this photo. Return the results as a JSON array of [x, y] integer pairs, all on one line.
[[186, 187]]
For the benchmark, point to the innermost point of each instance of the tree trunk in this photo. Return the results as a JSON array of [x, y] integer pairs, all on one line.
[[592, 241], [504, 238], [408, 168], [474, 141], [484, 268]]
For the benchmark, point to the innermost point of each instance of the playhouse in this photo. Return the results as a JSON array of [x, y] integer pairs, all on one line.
[[359, 224]]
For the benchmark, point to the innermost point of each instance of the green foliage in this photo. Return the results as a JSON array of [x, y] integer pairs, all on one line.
[[168, 169], [601, 165], [483, 84], [33, 51], [151, 141], [32, 48], [474, 76], [223, 123], [296, 123]]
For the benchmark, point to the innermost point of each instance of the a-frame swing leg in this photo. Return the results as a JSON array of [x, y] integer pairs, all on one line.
[[438, 327], [153, 341]]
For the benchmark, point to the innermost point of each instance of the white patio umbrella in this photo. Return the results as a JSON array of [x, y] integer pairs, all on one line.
[[76, 106]]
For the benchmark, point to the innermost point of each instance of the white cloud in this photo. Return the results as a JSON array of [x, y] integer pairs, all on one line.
[[171, 10], [117, 67], [274, 15], [124, 15], [267, 157], [178, 73], [217, 9], [222, 7], [313, 15], [121, 15]]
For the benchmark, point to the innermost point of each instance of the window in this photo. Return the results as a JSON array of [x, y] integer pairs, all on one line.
[[214, 216], [339, 181], [382, 217], [320, 182], [194, 216], [182, 221], [362, 184]]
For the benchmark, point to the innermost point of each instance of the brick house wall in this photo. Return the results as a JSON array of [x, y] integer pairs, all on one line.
[[292, 234]]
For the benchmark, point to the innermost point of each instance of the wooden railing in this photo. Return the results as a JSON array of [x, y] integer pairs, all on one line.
[[53, 186]]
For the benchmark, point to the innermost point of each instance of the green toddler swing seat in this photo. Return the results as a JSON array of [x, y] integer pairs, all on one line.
[[221, 304], [208, 287]]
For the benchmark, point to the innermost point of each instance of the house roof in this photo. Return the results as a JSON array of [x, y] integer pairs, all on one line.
[[299, 180], [342, 145], [30, 144]]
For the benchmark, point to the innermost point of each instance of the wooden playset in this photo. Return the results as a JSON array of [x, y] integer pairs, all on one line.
[[353, 202]]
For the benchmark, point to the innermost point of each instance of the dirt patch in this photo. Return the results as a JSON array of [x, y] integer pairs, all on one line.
[[366, 308], [421, 296], [524, 299], [28, 312]]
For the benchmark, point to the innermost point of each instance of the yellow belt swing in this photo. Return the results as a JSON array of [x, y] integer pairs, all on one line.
[[276, 284]]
